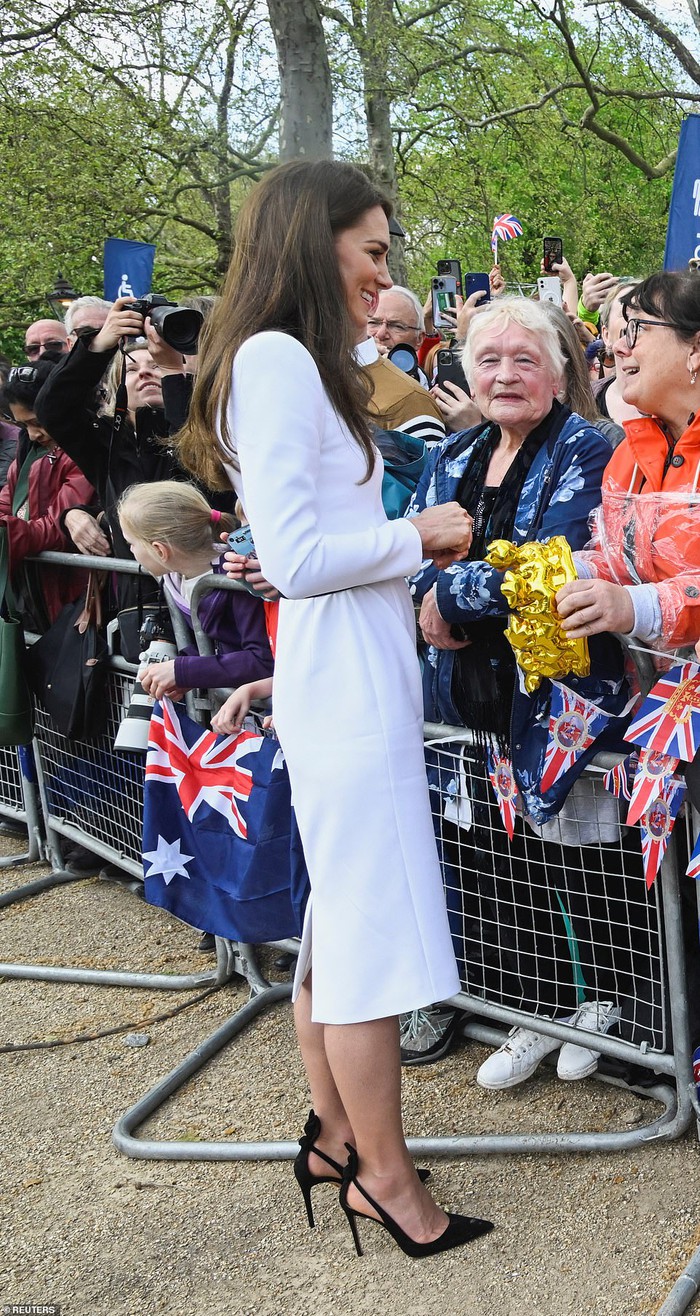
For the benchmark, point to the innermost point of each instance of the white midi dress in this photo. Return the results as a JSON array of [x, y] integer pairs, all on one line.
[[346, 693]]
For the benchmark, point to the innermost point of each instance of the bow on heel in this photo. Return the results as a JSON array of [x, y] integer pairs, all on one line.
[[460, 1228], [305, 1179]]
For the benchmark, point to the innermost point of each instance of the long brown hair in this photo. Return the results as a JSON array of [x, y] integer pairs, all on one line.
[[284, 275]]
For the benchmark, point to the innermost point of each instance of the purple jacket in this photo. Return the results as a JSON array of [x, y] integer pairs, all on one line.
[[235, 623]]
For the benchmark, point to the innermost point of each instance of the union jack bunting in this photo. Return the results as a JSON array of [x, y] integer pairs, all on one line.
[[505, 789], [653, 772], [574, 723], [220, 846], [693, 869], [618, 780], [504, 228], [669, 719], [657, 824]]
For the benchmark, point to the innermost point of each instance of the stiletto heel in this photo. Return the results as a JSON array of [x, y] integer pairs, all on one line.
[[305, 1179], [460, 1228]]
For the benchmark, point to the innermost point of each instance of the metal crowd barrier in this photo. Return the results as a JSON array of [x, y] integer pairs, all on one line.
[[648, 958], [19, 802], [92, 795]]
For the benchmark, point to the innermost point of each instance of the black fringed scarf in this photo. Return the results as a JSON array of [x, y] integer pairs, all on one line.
[[483, 676]]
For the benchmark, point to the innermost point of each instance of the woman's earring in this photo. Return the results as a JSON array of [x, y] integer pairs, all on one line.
[[693, 376]]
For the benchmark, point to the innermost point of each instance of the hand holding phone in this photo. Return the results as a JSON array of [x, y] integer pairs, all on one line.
[[443, 292], [552, 253], [479, 283]]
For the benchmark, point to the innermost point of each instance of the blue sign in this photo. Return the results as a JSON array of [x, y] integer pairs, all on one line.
[[128, 268], [683, 233]]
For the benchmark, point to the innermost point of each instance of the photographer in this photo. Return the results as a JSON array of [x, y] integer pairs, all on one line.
[[125, 442]]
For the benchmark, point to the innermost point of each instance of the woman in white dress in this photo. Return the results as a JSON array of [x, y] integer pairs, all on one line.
[[280, 407]]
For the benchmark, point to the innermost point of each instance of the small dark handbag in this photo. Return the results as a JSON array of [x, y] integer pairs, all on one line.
[[68, 667], [16, 703]]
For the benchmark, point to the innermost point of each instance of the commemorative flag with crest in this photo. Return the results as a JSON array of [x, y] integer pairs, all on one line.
[[574, 723], [669, 718], [220, 846], [654, 770], [500, 770], [657, 824]]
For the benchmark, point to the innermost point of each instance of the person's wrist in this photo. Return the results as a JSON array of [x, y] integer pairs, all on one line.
[[584, 314]]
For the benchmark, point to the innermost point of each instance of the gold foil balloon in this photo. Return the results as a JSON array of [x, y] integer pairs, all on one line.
[[534, 572]]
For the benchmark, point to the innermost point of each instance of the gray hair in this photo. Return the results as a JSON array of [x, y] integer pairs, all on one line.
[[415, 303], [81, 304], [529, 315]]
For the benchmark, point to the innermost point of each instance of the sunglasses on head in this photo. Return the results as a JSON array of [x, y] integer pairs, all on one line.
[[21, 375], [51, 345]]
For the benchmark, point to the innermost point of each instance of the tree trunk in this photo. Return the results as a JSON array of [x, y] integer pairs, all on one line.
[[306, 125], [379, 25]]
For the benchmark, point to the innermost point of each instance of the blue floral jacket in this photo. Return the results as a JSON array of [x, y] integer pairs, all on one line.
[[561, 491]]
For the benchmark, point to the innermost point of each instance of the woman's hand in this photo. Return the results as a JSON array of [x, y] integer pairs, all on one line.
[[587, 607], [434, 628], [446, 533], [455, 406], [86, 534], [497, 283], [247, 570], [158, 680], [595, 289], [121, 322], [229, 718]]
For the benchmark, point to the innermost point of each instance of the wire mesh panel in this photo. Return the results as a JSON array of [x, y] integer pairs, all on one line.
[[90, 784], [555, 917]]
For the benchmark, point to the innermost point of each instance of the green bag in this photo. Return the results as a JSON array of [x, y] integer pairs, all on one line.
[[16, 703]]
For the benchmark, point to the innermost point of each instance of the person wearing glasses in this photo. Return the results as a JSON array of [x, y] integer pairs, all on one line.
[[45, 336], [399, 401], [642, 572]]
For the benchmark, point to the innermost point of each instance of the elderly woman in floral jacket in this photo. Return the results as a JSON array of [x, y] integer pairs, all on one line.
[[532, 470]]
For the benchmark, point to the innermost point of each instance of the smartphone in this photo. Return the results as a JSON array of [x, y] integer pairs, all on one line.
[[454, 268], [549, 289], [449, 368], [479, 283], [552, 252], [443, 292], [241, 541]]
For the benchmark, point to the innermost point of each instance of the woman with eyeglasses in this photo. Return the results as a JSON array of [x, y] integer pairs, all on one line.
[[644, 567], [42, 484]]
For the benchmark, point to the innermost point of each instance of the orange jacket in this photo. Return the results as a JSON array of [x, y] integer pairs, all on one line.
[[648, 526]]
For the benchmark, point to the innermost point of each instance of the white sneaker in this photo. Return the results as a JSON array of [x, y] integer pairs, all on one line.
[[516, 1060], [579, 1061]]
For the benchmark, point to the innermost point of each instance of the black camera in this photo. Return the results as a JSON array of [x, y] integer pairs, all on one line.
[[178, 326], [406, 358]]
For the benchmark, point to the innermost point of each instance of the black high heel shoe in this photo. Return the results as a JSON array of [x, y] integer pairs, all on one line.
[[460, 1228], [305, 1179]]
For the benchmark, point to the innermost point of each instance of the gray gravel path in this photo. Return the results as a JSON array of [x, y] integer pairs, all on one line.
[[104, 1235]]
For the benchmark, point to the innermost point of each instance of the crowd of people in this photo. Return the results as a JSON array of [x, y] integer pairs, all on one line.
[[575, 420]]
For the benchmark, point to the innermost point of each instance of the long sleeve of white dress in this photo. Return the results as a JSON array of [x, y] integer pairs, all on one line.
[[277, 417]]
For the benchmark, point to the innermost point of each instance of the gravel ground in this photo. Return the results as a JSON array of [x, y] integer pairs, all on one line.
[[83, 1226]]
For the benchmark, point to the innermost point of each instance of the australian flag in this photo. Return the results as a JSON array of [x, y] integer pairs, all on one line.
[[220, 845], [669, 719]]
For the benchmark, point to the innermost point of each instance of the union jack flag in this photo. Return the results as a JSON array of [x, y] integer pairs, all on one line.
[[504, 228], [657, 825], [220, 846], [574, 723], [618, 780], [693, 869], [653, 772], [669, 719], [206, 772], [506, 792]]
